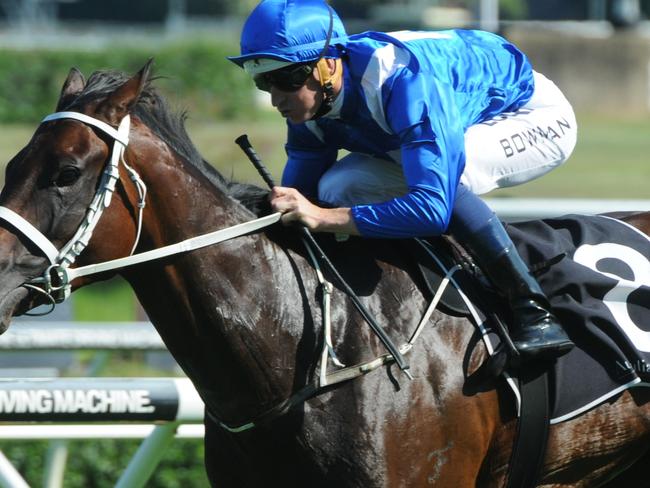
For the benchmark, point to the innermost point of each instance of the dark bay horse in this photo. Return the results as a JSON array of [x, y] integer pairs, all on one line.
[[243, 319]]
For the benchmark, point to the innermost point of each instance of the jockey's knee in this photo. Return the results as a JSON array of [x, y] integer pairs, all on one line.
[[359, 179], [346, 188]]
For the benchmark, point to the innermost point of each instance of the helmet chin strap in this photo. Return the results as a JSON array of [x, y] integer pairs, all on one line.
[[327, 83]]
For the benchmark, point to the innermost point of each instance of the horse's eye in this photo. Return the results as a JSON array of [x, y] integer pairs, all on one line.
[[67, 176]]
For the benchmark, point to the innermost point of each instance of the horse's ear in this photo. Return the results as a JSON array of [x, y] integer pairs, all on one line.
[[120, 102], [72, 86]]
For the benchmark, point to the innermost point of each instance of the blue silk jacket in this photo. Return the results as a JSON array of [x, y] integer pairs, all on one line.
[[409, 97]]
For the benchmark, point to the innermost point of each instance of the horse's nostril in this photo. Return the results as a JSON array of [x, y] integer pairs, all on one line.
[[30, 261]]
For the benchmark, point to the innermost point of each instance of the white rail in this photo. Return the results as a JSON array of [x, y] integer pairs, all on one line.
[[100, 400], [82, 431], [530, 208], [63, 407], [35, 335]]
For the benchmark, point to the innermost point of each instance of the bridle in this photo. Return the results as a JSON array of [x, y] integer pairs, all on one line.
[[55, 282]]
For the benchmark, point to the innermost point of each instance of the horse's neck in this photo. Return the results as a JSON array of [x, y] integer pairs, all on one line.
[[218, 309]]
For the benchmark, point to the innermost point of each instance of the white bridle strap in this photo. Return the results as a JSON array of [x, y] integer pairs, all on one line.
[[183, 246], [121, 135], [31, 232], [102, 199]]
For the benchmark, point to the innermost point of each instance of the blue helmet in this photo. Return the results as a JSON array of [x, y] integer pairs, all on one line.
[[292, 31]]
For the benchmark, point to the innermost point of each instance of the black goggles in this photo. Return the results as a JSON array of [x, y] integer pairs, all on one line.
[[288, 79]]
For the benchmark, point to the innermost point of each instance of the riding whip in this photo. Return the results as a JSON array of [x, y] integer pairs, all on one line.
[[243, 142]]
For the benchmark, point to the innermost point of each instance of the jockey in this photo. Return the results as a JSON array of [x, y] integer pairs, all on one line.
[[430, 120]]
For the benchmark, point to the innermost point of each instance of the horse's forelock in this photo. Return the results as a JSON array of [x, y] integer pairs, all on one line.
[[99, 86]]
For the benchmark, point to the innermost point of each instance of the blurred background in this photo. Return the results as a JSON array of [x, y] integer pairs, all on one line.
[[597, 51]]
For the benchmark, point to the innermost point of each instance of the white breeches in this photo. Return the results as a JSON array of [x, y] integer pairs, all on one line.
[[510, 149]]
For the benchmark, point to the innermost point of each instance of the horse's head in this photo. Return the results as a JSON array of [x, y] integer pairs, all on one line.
[[51, 183]]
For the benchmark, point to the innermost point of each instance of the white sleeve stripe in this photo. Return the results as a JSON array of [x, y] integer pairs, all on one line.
[[384, 62]]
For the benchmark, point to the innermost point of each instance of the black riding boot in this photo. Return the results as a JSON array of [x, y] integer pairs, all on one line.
[[535, 331]]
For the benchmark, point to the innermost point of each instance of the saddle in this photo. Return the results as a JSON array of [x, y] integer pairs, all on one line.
[[434, 257], [432, 274]]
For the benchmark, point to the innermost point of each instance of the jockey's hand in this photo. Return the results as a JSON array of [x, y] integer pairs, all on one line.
[[296, 208]]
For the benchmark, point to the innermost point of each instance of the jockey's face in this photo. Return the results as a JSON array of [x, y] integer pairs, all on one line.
[[300, 105]]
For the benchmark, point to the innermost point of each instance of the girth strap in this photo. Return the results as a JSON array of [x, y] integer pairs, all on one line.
[[529, 448]]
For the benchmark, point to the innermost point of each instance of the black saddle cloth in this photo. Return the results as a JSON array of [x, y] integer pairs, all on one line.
[[595, 271], [600, 291]]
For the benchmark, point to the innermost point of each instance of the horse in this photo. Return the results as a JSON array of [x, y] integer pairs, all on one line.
[[244, 318]]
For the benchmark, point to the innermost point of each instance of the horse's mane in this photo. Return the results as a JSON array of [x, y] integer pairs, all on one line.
[[154, 111]]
